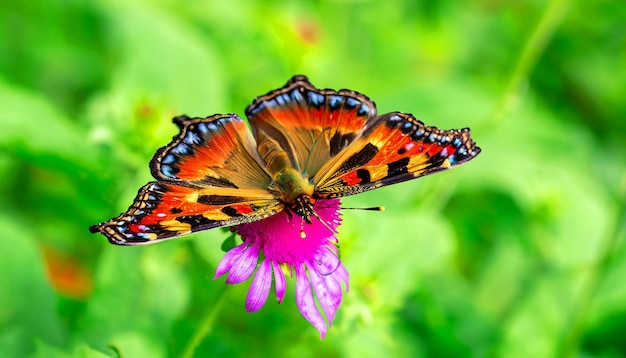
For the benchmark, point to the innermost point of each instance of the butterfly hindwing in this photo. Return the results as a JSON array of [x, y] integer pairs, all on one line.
[[309, 124], [209, 176], [393, 148], [167, 210]]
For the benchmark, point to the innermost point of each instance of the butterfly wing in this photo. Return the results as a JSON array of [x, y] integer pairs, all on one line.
[[217, 151], [208, 176], [309, 124], [390, 149]]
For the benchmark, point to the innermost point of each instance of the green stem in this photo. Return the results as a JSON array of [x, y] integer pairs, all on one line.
[[206, 325], [535, 46]]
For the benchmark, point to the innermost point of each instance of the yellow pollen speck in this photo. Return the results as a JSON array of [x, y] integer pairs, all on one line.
[[302, 234]]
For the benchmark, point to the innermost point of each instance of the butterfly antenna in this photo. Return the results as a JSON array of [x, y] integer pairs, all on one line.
[[373, 208]]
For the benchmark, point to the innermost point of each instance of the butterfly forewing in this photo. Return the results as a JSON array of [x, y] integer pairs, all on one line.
[[212, 151], [309, 124], [390, 149], [210, 175]]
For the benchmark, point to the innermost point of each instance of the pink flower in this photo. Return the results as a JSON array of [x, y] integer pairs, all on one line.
[[279, 243]]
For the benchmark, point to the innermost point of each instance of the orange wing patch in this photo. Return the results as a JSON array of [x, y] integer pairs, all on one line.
[[391, 149], [162, 211], [211, 151], [309, 124]]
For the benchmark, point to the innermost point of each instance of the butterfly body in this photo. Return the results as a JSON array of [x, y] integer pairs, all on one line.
[[294, 192], [287, 182], [306, 144]]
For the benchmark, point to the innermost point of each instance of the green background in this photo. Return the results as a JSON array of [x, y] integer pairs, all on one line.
[[519, 253]]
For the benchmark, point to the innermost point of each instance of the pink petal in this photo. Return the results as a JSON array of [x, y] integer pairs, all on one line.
[[327, 260], [228, 260], [314, 261], [244, 266], [342, 274], [328, 292], [279, 282], [260, 287], [306, 301]]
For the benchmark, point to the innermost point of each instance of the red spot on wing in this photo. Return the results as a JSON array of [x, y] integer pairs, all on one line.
[[433, 149], [242, 208], [351, 178], [136, 228]]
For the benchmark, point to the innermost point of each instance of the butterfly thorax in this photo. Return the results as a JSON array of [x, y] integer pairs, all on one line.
[[292, 188], [295, 192]]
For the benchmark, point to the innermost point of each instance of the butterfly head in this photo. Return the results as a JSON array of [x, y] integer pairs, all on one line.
[[303, 206], [295, 193]]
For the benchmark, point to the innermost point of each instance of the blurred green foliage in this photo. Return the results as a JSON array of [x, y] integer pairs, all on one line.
[[519, 253]]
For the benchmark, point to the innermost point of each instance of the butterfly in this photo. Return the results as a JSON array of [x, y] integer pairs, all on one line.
[[306, 144]]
